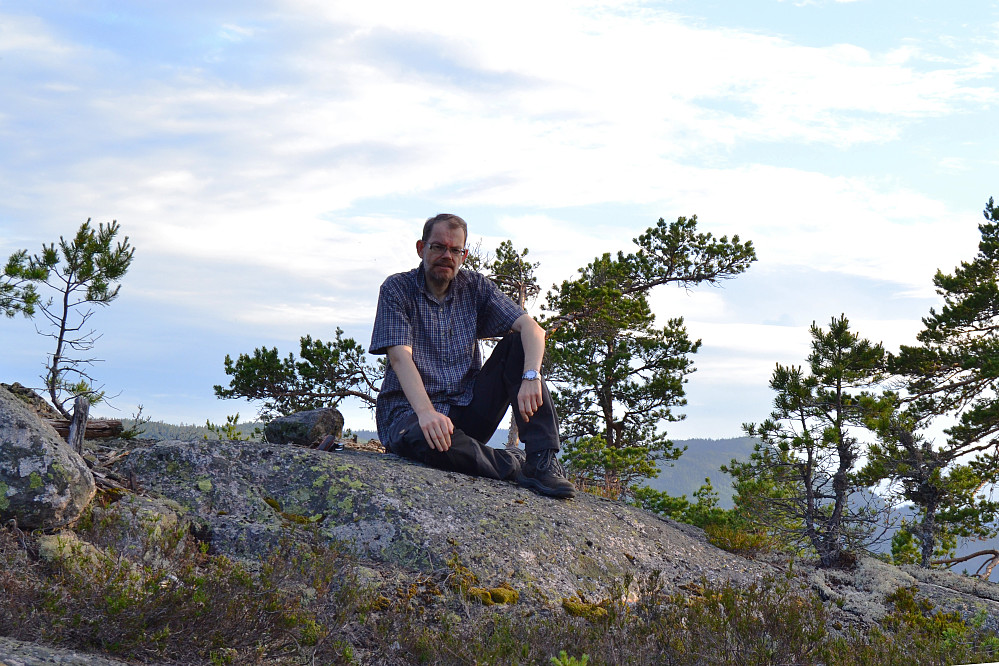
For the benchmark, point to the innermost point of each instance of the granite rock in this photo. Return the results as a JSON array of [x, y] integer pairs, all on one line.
[[43, 482]]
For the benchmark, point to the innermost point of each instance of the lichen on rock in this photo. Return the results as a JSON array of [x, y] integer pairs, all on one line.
[[43, 482]]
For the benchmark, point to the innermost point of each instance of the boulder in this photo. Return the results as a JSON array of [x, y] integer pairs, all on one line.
[[402, 518], [43, 482], [242, 497], [34, 401], [305, 428]]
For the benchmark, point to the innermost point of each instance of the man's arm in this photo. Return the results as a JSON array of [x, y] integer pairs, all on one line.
[[533, 338], [437, 428]]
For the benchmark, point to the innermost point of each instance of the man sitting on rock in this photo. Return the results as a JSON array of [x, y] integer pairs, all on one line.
[[438, 404]]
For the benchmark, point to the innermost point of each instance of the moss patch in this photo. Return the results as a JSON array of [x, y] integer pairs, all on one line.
[[501, 594], [4, 502], [204, 485], [35, 481], [591, 612]]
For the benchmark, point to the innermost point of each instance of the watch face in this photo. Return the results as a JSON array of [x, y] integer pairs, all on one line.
[[531, 374]]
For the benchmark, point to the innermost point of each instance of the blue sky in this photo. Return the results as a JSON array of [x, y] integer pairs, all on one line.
[[272, 162]]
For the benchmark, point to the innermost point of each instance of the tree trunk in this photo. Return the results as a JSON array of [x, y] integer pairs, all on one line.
[[513, 436], [78, 425], [927, 535]]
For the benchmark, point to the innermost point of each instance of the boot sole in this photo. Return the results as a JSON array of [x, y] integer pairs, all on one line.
[[537, 486]]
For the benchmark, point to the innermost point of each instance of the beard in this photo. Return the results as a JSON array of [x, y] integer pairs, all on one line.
[[440, 274]]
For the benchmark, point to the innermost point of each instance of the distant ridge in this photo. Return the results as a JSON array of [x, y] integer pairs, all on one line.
[[703, 459]]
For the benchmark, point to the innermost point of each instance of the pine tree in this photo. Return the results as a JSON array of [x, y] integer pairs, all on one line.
[[952, 375], [324, 374], [804, 467], [18, 285], [618, 375], [83, 271]]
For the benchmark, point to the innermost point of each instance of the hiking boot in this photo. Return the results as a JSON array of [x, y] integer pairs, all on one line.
[[517, 453], [543, 473]]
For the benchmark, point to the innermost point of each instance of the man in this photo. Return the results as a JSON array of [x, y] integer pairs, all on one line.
[[438, 404]]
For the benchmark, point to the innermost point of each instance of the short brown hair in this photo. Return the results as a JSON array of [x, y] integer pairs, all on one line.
[[453, 221]]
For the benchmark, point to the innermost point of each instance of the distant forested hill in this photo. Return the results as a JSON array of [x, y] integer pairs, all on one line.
[[701, 460], [162, 431]]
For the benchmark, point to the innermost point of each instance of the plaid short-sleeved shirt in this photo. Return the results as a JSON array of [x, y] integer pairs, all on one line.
[[443, 335]]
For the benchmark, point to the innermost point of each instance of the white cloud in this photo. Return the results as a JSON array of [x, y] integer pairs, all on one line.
[[235, 33], [271, 191], [29, 36]]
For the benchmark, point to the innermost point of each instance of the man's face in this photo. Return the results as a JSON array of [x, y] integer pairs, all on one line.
[[441, 267]]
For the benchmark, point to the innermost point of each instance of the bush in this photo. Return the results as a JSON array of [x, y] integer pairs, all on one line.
[[160, 596], [150, 592]]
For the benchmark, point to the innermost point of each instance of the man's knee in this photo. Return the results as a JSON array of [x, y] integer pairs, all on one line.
[[510, 349]]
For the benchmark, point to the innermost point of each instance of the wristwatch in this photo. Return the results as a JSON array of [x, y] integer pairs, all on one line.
[[531, 375]]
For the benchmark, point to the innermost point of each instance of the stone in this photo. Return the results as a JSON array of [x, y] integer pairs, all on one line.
[[21, 653], [43, 483], [403, 520], [305, 428], [34, 401], [67, 549], [242, 497]]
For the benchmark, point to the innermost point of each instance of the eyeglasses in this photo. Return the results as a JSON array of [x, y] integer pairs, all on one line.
[[440, 248]]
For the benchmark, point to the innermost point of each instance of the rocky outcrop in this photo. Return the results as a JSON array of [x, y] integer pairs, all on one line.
[[404, 520], [305, 428], [404, 517], [242, 496], [43, 482], [33, 401], [21, 653]]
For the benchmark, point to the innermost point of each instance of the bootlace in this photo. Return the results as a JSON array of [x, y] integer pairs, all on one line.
[[548, 461]]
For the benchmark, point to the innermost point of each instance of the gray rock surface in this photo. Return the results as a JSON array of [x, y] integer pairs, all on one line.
[[20, 653], [404, 517], [857, 595], [394, 512], [43, 482], [305, 428]]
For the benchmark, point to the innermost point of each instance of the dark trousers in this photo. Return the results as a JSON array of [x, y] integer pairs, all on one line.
[[495, 389]]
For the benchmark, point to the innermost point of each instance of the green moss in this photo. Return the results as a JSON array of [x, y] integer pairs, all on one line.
[[204, 485], [35, 481], [332, 496], [4, 502], [273, 503], [591, 612], [480, 594], [504, 594], [320, 480], [295, 518]]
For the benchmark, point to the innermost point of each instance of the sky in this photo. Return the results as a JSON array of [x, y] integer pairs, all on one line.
[[273, 161]]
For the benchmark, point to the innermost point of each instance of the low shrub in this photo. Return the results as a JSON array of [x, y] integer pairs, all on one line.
[[147, 592], [167, 599]]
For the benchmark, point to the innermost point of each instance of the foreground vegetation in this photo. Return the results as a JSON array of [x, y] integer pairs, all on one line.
[[145, 591]]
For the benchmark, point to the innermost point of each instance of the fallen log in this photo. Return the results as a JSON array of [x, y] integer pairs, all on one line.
[[96, 428]]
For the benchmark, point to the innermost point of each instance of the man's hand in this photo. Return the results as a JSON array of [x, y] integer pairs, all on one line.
[[529, 398], [437, 429]]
